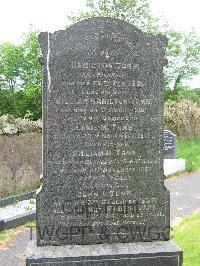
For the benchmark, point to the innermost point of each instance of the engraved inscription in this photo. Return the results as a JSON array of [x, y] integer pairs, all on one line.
[[103, 143]]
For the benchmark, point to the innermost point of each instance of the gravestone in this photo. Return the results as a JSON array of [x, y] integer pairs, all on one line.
[[103, 198], [169, 145]]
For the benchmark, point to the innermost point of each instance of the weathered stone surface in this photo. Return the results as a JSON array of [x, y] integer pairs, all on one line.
[[169, 145], [103, 175], [20, 162], [9, 129], [11, 126], [27, 126], [8, 125], [164, 253]]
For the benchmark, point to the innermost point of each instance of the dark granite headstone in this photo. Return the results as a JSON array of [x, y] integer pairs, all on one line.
[[169, 145], [103, 179], [103, 175]]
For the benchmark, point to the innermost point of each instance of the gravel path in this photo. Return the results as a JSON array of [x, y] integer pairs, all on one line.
[[184, 196], [185, 199], [15, 255]]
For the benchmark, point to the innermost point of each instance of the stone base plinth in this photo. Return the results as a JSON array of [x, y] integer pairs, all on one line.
[[164, 253], [173, 166]]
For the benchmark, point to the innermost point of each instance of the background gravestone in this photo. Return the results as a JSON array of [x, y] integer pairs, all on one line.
[[103, 178], [169, 145]]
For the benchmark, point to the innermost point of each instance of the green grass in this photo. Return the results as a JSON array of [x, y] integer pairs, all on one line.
[[187, 236], [190, 151], [2, 235], [21, 190]]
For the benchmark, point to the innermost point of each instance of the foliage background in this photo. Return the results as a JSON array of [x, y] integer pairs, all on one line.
[[21, 73], [20, 78]]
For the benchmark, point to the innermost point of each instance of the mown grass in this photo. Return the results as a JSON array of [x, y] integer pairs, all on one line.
[[190, 151], [187, 236]]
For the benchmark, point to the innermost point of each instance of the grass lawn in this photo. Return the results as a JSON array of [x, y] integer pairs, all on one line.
[[187, 236], [189, 150]]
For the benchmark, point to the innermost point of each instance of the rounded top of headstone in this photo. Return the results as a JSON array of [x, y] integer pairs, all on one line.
[[102, 23], [169, 132]]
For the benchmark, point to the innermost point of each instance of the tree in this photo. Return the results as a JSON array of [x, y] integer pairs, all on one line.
[[20, 78], [136, 12], [10, 65], [183, 56]]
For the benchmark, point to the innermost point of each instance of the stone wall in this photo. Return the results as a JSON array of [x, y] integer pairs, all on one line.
[[20, 162], [11, 126]]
